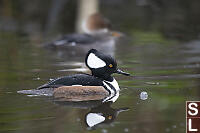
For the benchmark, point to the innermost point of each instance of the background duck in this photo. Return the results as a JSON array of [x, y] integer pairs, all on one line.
[[97, 34], [96, 28]]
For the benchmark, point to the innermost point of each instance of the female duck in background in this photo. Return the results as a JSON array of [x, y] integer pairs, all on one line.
[[97, 34]]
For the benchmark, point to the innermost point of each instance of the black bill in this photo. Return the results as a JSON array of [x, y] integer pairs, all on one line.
[[121, 72]]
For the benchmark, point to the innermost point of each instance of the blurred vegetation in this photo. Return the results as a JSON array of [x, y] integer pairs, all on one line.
[[177, 19]]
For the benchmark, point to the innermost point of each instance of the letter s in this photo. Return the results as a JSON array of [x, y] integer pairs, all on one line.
[[193, 108]]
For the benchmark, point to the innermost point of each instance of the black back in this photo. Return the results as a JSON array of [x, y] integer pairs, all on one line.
[[78, 79]]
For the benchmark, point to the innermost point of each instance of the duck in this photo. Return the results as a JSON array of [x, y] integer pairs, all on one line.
[[96, 30], [102, 66]]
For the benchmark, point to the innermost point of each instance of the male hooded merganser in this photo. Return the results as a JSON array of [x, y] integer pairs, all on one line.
[[101, 66], [96, 30]]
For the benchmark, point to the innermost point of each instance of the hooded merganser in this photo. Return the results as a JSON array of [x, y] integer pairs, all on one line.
[[96, 30], [101, 66]]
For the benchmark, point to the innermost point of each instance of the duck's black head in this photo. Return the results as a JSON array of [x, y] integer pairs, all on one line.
[[102, 65]]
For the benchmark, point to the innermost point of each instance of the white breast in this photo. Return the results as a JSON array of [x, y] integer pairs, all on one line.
[[85, 28], [114, 84], [114, 94]]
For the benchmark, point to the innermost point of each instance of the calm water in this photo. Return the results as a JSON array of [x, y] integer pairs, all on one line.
[[167, 71]]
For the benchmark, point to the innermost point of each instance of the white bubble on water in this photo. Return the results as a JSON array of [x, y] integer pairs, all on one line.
[[78, 119], [104, 131], [143, 95], [167, 129], [174, 126], [126, 129]]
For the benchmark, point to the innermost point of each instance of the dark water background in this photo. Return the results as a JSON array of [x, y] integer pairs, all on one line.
[[163, 53]]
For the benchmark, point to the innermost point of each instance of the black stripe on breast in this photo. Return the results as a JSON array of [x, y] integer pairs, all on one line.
[[111, 86]]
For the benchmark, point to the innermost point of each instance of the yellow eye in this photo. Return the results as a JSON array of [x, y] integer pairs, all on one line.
[[110, 117], [110, 65]]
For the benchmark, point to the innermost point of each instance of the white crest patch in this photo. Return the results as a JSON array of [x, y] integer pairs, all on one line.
[[95, 62], [93, 119]]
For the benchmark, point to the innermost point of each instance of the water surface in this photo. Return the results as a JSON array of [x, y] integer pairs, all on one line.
[[168, 71]]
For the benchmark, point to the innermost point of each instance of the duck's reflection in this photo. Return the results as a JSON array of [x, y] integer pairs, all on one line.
[[102, 115]]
